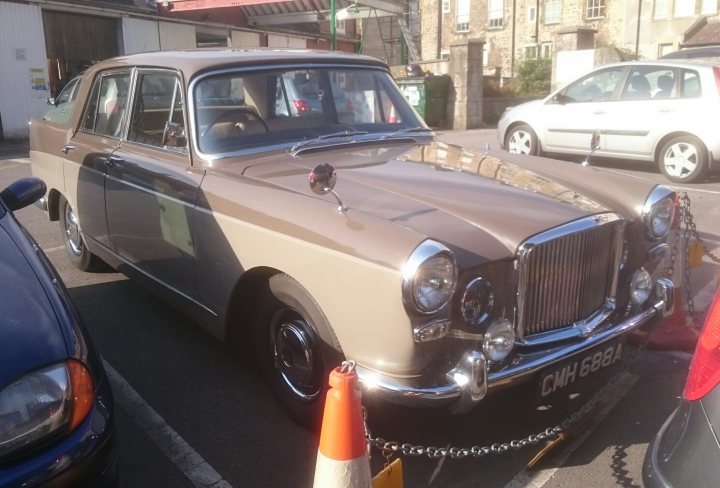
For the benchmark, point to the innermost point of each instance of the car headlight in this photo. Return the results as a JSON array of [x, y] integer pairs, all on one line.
[[659, 211], [43, 403], [429, 277]]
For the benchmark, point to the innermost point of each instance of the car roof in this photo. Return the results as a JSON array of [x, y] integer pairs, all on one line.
[[191, 61], [694, 52], [680, 63]]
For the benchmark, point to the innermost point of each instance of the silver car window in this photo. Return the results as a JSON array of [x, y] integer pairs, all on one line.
[[107, 105], [598, 86]]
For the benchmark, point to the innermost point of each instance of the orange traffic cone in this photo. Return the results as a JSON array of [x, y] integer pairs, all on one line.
[[392, 118], [342, 460]]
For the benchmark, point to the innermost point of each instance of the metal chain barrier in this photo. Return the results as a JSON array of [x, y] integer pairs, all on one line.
[[551, 433]]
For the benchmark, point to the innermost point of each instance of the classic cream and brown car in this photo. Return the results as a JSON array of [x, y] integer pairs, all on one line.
[[326, 222]]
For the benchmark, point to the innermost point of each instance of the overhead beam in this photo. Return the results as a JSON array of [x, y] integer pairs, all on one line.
[[185, 5]]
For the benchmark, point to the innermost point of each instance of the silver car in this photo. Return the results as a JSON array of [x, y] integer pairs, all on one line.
[[654, 111]]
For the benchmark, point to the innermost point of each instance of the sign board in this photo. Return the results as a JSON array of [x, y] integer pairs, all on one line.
[[39, 83]]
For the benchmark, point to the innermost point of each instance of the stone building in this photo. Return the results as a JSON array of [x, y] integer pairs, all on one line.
[[514, 30]]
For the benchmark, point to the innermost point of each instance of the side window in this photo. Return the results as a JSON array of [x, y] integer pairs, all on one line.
[[64, 104], [691, 84], [107, 105], [157, 117], [646, 82], [595, 87]]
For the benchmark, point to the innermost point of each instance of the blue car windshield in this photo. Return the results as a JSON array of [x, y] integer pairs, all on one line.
[[250, 109]]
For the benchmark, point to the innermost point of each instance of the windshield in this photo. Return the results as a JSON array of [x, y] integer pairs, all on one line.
[[249, 109]]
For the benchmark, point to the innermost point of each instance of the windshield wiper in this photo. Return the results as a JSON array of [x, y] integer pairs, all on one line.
[[406, 131], [346, 133]]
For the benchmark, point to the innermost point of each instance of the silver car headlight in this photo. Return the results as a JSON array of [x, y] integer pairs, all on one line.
[[429, 277], [659, 211], [43, 403]]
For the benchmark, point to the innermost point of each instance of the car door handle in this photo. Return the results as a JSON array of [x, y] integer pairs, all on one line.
[[113, 161], [67, 148], [598, 112]]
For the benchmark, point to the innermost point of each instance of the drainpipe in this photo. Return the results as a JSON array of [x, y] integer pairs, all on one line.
[[637, 34], [512, 44], [333, 40]]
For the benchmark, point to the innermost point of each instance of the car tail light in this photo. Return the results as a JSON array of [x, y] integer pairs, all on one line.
[[83, 393], [301, 105], [705, 367]]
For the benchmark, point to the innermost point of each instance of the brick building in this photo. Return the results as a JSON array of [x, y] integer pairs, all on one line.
[[514, 30]]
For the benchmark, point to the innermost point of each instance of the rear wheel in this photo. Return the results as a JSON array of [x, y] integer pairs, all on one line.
[[521, 139], [296, 349], [683, 159], [73, 240]]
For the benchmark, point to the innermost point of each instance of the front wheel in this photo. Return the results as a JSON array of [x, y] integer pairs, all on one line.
[[77, 251], [683, 159], [522, 140], [296, 349]]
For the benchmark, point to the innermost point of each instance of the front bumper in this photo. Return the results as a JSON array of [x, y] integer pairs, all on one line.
[[468, 382]]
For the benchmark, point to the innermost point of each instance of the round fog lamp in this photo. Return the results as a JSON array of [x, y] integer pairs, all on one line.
[[499, 340], [640, 287]]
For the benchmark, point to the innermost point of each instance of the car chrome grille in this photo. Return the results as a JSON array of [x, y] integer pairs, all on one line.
[[567, 274]]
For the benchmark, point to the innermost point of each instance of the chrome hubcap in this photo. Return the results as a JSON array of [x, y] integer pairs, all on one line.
[[294, 359], [520, 142], [681, 160], [72, 231]]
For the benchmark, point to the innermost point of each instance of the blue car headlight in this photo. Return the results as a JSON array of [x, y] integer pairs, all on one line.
[[43, 403]]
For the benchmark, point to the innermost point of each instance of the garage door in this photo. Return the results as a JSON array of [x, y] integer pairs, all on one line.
[[80, 37]]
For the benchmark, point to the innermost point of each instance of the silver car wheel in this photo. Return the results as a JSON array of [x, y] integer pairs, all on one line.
[[72, 231], [681, 159], [520, 142], [294, 358]]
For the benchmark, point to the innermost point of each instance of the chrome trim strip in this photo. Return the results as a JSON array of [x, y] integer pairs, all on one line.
[[443, 392]]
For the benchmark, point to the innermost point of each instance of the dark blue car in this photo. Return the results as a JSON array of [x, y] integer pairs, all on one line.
[[56, 417]]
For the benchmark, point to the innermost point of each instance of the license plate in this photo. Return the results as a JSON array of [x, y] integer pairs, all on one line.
[[559, 378]]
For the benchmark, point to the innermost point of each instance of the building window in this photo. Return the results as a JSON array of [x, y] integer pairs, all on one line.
[[530, 52], [546, 49], [553, 11], [444, 54], [532, 14], [660, 9], [709, 7], [462, 16], [339, 26], [486, 53], [446, 6], [595, 9], [495, 14], [684, 8], [664, 49]]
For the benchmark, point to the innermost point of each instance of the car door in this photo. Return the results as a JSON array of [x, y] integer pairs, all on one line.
[[151, 188], [571, 116], [89, 150], [655, 100]]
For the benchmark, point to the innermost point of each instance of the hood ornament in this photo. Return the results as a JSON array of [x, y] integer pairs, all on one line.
[[322, 180]]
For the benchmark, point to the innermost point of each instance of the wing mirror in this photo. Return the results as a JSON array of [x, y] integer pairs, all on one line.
[[23, 192], [322, 180], [51, 101]]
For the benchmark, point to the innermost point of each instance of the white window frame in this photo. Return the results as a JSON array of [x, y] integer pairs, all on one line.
[[532, 14], [462, 16], [553, 12], [684, 8], [496, 12], [594, 9], [709, 7], [660, 9], [446, 6], [546, 50]]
